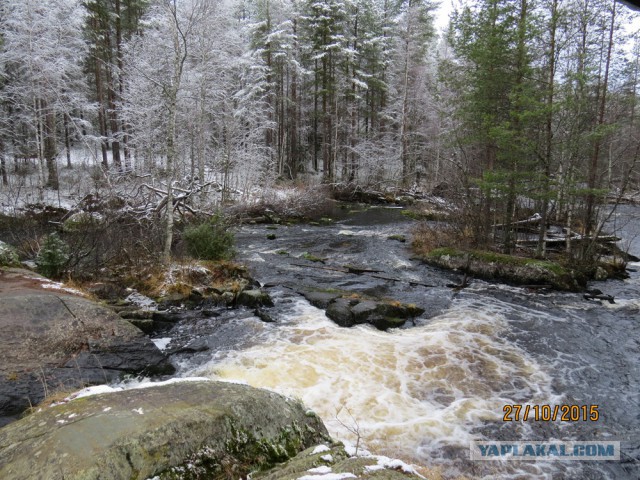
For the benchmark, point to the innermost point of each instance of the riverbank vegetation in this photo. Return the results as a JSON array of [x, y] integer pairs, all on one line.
[[127, 125]]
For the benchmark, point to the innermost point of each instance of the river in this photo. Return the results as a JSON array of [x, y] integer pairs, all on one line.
[[423, 392]]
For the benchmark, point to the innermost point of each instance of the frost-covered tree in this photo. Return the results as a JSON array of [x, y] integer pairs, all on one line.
[[41, 55]]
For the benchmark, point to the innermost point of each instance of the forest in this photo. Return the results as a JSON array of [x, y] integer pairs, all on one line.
[[518, 107]]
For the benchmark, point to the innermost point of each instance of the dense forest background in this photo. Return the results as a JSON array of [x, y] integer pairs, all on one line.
[[519, 103]]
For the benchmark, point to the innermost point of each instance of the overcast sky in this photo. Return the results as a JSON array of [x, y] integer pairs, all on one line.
[[446, 7]]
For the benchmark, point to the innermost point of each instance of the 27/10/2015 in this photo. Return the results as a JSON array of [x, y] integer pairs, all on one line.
[[550, 413]]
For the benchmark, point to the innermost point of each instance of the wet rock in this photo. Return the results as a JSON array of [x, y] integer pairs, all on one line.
[[320, 299], [384, 323], [263, 315], [180, 430], [348, 309], [166, 316], [364, 311], [339, 310], [227, 298], [56, 342], [147, 325], [254, 298], [136, 314], [195, 346]]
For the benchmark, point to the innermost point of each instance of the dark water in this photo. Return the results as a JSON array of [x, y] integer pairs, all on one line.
[[423, 392]]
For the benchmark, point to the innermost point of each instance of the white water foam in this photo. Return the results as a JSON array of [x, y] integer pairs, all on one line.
[[405, 393]]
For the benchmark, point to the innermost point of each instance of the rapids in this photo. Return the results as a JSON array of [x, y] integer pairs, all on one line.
[[423, 392]]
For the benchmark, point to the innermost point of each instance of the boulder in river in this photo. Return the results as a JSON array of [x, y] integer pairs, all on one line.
[[348, 309], [196, 429], [254, 298], [54, 341]]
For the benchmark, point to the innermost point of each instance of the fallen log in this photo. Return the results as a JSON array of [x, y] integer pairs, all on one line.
[[532, 220], [590, 296], [596, 294], [573, 239]]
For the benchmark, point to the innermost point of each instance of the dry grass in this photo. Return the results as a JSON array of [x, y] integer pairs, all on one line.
[[429, 237]]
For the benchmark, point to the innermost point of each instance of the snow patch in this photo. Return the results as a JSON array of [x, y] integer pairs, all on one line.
[[61, 287], [320, 449], [328, 476], [391, 464], [323, 469], [145, 383], [141, 301], [327, 458], [161, 343]]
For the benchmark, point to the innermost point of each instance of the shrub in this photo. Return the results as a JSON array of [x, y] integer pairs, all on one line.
[[53, 257], [210, 240], [8, 256]]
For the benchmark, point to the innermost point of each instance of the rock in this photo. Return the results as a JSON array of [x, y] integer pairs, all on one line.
[[178, 430], [107, 290], [320, 299], [385, 323], [254, 298], [263, 315], [147, 325], [334, 462], [136, 314], [194, 346], [510, 268], [601, 274], [347, 309], [227, 298], [51, 341], [339, 310], [364, 310]]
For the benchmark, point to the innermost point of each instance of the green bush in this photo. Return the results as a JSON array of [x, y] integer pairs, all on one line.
[[53, 257], [8, 256], [210, 240]]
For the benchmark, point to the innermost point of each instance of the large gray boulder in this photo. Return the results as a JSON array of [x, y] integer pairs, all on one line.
[[53, 341], [183, 430]]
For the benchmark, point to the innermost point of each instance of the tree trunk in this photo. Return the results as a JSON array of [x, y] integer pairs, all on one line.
[[3, 165], [592, 182], [67, 140], [102, 123], [546, 169], [50, 147]]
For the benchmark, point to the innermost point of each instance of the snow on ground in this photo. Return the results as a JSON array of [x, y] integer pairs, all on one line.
[[141, 301], [60, 286], [144, 383], [161, 343]]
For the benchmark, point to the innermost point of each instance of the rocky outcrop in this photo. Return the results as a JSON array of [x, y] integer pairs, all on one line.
[[183, 430], [334, 462], [348, 309], [53, 341], [509, 268]]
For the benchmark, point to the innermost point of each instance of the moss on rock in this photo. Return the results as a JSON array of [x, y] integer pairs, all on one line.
[[497, 266], [184, 430]]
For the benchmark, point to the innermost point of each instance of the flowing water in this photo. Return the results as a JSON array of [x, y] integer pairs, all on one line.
[[423, 392]]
